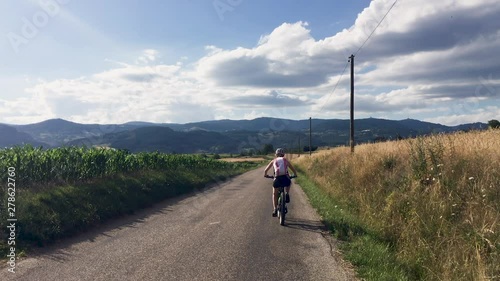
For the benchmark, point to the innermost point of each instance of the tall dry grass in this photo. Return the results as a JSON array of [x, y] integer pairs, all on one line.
[[436, 199]]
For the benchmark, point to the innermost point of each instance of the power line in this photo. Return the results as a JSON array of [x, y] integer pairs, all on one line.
[[336, 85], [359, 49], [376, 27]]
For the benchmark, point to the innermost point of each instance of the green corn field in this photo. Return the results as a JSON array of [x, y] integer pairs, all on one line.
[[55, 193], [37, 166]]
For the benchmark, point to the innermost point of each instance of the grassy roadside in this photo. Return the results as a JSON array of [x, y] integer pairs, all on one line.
[[366, 250], [433, 203], [68, 209]]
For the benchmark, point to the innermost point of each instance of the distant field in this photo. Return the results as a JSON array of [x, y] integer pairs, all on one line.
[[244, 159]]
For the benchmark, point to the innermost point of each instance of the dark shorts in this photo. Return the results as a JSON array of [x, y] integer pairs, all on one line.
[[282, 181]]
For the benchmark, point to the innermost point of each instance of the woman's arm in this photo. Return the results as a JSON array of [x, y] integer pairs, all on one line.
[[291, 167], [268, 167]]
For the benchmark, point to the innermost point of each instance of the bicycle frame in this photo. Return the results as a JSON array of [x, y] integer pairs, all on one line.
[[282, 209]]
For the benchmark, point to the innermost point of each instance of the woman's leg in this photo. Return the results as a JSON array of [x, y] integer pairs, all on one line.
[[275, 199]]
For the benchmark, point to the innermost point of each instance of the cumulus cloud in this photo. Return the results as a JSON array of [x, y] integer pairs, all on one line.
[[158, 93], [418, 42], [478, 115], [286, 58], [270, 99], [425, 57], [148, 56]]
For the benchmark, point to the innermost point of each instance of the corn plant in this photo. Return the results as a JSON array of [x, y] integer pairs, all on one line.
[[37, 166]]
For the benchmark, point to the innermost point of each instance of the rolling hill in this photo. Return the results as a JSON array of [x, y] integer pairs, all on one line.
[[164, 139], [9, 137], [221, 136]]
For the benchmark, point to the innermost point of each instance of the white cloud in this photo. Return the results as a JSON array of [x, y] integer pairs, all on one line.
[[281, 59], [480, 115], [148, 56], [424, 57], [157, 93]]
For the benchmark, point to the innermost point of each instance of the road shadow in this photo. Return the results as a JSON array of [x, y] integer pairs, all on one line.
[[306, 225], [59, 250]]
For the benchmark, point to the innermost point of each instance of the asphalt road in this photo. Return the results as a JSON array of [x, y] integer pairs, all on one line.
[[224, 233]]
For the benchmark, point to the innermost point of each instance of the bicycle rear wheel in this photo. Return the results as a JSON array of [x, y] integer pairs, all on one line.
[[279, 206], [282, 208]]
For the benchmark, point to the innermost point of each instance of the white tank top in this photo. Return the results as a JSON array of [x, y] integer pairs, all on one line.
[[280, 166]]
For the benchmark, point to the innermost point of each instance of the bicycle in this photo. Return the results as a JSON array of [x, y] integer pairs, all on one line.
[[282, 209]]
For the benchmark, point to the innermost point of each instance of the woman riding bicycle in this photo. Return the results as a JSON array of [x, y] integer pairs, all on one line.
[[281, 177]]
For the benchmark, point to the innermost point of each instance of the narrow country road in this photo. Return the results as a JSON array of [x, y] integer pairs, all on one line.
[[224, 233]]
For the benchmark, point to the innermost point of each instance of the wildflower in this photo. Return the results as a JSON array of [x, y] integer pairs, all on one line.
[[471, 178]]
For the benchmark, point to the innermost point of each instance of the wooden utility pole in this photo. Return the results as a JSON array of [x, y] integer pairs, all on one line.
[[310, 135], [299, 147], [351, 141]]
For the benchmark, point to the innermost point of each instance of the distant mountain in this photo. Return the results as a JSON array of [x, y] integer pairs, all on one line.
[[166, 140], [57, 132], [470, 126], [407, 127], [219, 135], [254, 125], [424, 127], [9, 137]]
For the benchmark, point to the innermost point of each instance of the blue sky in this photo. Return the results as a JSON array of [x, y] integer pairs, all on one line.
[[193, 60]]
